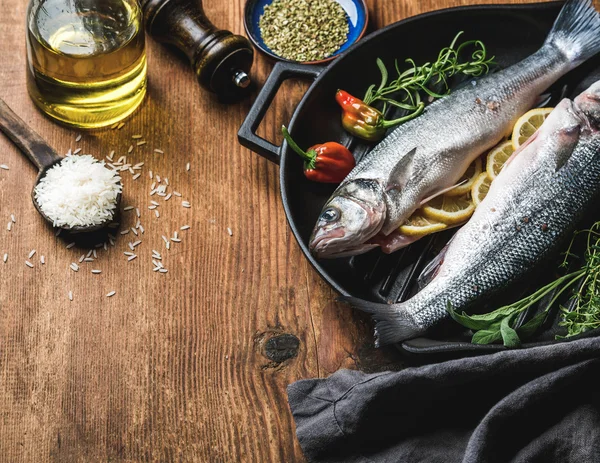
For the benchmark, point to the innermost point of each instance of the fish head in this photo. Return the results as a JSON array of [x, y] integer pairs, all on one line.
[[588, 103], [354, 213]]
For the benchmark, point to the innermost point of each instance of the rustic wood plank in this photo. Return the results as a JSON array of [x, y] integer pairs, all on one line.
[[172, 367]]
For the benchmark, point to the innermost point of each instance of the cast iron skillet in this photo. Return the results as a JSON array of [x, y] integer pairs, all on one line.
[[510, 32]]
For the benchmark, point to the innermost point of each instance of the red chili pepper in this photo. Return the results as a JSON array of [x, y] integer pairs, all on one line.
[[364, 121], [326, 162]]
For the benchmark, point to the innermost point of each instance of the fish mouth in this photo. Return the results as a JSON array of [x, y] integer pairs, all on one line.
[[324, 244]]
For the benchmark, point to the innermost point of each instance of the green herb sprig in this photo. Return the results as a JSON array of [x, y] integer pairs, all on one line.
[[500, 325], [405, 91], [585, 314]]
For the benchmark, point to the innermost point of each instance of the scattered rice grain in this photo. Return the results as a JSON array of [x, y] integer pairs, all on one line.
[[70, 295], [12, 217], [74, 267], [111, 294], [156, 213], [187, 166], [136, 176], [185, 227], [131, 257], [29, 264], [4, 166], [229, 231], [5, 258], [42, 260], [156, 150], [78, 137], [70, 245], [96, 272]]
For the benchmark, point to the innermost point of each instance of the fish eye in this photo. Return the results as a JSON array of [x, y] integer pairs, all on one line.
[[331, 214]]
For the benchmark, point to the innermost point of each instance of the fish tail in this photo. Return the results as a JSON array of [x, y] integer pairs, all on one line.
[[576, 31], [393, 323]]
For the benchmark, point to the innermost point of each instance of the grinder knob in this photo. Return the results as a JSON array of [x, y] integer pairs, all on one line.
[[221, 60]]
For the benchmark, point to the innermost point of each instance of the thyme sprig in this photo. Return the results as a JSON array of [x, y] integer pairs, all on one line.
[[405, 91], [585, 312]]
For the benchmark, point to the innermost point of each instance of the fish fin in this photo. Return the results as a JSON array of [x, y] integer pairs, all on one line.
[[441, 192], [401, 172], [576, 31], [543, 100], [432, 268], [393, 323], [521, 148]]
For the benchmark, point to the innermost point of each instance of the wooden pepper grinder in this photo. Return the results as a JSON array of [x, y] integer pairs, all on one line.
[[221, 60]]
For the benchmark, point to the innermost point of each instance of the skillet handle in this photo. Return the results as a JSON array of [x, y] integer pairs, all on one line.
[[247, 133]]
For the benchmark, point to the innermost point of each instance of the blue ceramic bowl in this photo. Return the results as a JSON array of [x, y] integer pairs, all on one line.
[[356, 11]]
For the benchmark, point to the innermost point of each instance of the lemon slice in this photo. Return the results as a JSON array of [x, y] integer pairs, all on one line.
[[527, 124], [468, 178], [480, 188], [418, 225], [497, 158], [451, 210]]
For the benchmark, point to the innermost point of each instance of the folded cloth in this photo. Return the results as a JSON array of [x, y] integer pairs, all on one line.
[[531, 405]]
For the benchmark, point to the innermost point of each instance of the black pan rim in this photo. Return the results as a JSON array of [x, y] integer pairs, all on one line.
[[331, 67]]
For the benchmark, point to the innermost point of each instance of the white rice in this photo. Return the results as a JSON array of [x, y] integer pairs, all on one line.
[[79, 191], [29, 264], [111, 294]]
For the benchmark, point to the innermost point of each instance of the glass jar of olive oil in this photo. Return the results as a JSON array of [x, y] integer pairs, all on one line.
[[86, 60]]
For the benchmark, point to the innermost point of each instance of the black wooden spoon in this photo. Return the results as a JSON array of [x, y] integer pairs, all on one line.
[[41, 154]]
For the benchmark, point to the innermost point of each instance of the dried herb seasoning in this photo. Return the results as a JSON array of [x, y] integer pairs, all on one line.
[[304, 30]]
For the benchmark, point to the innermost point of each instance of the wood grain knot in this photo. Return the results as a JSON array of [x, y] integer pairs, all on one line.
[[281, 348]]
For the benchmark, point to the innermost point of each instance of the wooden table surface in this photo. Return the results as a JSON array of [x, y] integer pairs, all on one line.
[[173, 367]]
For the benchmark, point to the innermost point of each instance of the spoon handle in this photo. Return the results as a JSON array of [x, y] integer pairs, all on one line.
[[29, 142]]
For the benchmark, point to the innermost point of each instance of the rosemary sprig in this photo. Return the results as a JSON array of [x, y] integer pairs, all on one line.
[[405, 91]]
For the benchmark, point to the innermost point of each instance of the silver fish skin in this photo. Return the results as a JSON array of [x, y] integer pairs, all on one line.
[[427, 155], [532, 207]]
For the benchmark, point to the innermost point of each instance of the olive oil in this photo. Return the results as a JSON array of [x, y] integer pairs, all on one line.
[[86, 60]]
